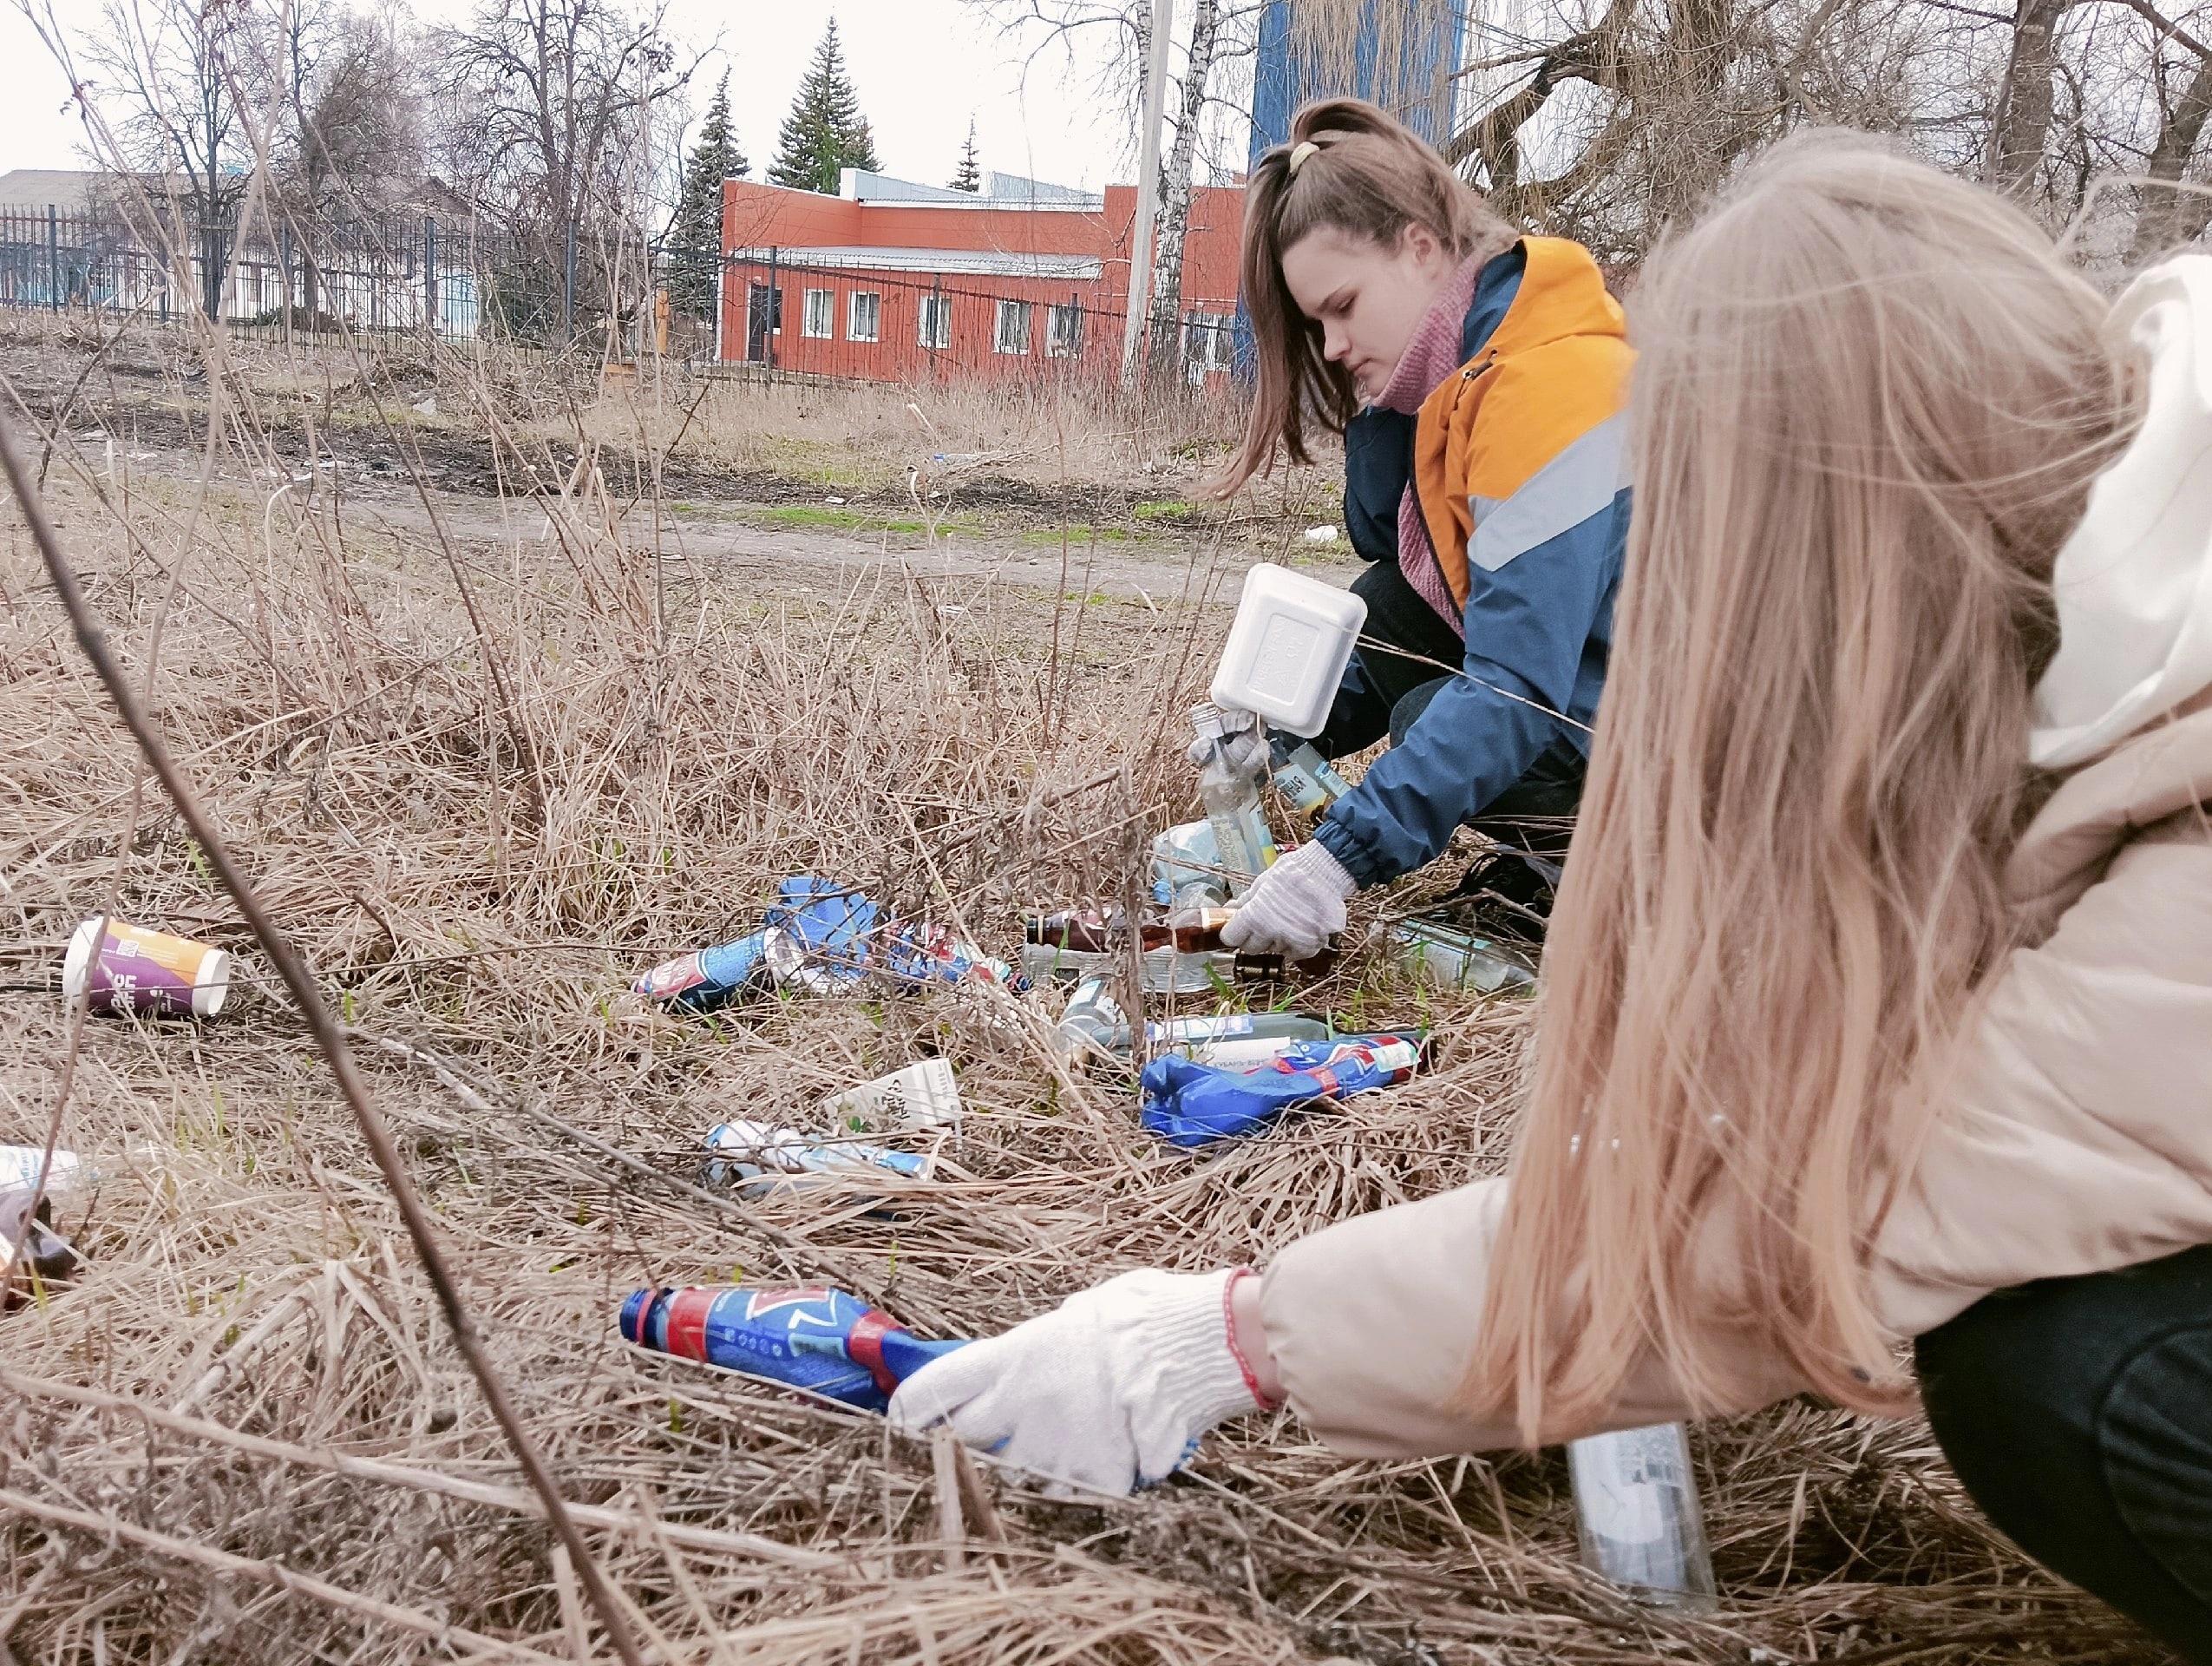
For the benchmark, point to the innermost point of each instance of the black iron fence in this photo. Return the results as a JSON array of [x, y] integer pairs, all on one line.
[[422, 274]]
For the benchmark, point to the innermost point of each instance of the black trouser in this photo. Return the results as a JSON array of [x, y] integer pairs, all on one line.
[[2079, 1413], [1536, 813]]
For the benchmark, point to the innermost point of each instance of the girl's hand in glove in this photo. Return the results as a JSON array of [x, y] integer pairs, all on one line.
[[1110, 1391], [1294, 908]]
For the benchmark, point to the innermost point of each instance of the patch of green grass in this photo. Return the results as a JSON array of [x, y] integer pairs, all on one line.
[[1165, 509], [809, 515], [1082, 533]]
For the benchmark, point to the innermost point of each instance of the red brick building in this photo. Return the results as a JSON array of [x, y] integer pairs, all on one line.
[[894, 282]]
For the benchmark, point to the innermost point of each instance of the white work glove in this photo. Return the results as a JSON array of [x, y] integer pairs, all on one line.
[[1294, 908], [1110, 1391]]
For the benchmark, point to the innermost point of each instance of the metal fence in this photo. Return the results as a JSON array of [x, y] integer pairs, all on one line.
[[756, 314], [421, 274]]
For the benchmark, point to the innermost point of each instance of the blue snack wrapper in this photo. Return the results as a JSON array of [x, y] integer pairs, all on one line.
[[1191, 1104]]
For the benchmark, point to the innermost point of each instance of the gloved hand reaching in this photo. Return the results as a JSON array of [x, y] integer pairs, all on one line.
[[1294, 908], [1110, 1391]]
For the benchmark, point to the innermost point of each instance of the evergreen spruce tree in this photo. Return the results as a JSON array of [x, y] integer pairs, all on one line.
[[695, 233], [968, 176], [825, 132]]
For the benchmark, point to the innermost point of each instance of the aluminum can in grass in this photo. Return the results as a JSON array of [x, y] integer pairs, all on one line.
[[818, 1340], [137, 970], [769, 1161], [706, 978], [1637, 1515]]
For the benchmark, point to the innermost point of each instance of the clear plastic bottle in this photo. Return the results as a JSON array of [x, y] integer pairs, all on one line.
[[1433, 953], [1092, 1020], [1636, 1511], [1231, 762], [1186, 868]]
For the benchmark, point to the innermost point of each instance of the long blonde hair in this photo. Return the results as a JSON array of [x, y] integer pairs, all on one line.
[[1868, 402]]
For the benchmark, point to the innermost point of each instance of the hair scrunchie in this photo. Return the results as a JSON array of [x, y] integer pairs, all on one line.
[[1300, 151]]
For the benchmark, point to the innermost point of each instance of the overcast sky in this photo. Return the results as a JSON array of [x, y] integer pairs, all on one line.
[[922, 68]]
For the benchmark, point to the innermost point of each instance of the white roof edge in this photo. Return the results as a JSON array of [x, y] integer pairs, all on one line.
[[974, 262]]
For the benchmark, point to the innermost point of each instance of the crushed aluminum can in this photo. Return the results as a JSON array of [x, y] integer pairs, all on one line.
[[767, 1161]]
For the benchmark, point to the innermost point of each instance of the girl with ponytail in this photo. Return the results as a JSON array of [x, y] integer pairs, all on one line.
[[1476, 377]]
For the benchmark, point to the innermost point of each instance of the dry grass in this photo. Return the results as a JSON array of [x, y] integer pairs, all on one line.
[[244, 1434]]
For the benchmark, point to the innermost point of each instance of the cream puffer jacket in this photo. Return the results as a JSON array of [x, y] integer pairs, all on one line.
[[2076, 1137]]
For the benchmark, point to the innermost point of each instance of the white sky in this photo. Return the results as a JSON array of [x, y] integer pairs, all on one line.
[[921, 68]]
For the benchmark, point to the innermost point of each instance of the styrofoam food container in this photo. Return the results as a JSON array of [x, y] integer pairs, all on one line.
[[1288, 648]]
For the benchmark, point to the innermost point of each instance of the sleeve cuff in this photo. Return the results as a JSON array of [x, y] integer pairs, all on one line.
[[1198, 1364], [1351, 854]]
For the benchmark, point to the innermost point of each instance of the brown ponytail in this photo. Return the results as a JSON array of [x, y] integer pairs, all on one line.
[[1370, 178]]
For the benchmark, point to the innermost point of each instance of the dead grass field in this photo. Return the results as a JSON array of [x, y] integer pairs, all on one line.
[[488, 756]]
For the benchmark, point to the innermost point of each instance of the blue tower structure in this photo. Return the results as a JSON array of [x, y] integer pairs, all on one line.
[[1416, 88]]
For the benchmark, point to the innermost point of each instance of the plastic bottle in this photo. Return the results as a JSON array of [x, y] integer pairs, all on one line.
[[812, 1338], [1308, 784], [1186, 868], [1190, 1104], [1091, 1019], [707, 977], [1229, 773], [1637, 1512], [1451, 958]]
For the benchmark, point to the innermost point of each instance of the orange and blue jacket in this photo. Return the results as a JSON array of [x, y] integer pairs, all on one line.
[[1519, 464]]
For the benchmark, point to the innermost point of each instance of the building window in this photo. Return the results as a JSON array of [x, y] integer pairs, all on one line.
[[937, 321], [1012, 336], [1209, 341], [1063, 331], [863, 314], [820, 310]]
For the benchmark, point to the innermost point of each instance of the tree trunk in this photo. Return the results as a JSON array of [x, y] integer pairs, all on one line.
[[1174, 224], [2023, 97], [2169, 218]]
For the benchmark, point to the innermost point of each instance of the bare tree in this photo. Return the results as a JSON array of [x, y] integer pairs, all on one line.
[[2166, 217], [1119, 33], [2022, 127], [180, 82], [1627, 116], [548, 125]]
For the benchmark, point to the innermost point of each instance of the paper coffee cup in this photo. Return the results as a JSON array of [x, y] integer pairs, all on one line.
[[921, 1096], [141, 970]]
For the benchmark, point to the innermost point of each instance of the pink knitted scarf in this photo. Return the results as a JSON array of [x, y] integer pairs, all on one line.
[[1430, 357]]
